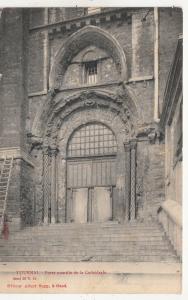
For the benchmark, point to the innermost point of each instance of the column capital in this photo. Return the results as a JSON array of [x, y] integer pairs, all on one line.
[[45, 150], [127, 146], [45, 146], [53, 151], [133, 144]]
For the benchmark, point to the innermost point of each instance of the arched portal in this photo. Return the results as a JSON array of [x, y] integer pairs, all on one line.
[[90, 141], [91, 174]]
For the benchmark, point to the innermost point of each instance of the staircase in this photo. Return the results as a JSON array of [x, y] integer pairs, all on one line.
[[4, 186], [102, 242]]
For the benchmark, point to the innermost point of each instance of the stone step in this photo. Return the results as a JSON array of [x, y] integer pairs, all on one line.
[[129, 244], [95, 225], [99, 258], [84, 235], [87, 240], [95, 244], [106, 252], [98, 224], [101, 250], [89, 229], [81, 242], [99, 231], [87, 235]]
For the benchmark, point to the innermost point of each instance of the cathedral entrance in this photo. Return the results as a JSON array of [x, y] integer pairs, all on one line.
[[91, 174]]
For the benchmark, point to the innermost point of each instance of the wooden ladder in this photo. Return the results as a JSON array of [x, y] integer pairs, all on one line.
[[4, 185]]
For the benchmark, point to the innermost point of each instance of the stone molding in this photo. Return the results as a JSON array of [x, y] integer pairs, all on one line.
[[119, 15], [141, 78]]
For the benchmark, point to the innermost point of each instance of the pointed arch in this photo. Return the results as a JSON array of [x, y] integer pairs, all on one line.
[[89, 35]]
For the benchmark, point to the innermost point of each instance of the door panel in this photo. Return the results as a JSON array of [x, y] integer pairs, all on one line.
[[102, 204], [89, 173], [69, 206], [79, 205]]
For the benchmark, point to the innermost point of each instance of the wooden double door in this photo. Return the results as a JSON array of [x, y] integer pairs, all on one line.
[[91, 204], [90, 186]]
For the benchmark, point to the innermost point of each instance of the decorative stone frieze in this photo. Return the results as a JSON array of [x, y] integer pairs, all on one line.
[[117, 15]]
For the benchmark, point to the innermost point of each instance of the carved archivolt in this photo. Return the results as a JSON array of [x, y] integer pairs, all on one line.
[[88, 102], [58, 108]]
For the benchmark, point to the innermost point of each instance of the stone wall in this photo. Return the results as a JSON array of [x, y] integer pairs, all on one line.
[[13, 198], [170, 212], [20, 199], [170, 26], [150, 179], [173, 166], [154, 180], [38, 186], [27, 194], [13, 91]]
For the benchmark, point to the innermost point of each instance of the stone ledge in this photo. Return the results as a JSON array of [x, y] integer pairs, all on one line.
[[90, 86], [40, 93], [17, 153], [80, 87], [141, 78]]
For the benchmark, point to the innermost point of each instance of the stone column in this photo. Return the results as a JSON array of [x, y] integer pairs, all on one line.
[[89, 207], [53, 154], [46, 184], [133, 180], [127, 179], [62, 189]]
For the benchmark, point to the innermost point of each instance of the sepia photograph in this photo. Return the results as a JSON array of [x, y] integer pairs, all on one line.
[[91, 149]]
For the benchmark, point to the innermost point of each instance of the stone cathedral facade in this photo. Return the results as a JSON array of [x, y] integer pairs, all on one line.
[[82, 93]]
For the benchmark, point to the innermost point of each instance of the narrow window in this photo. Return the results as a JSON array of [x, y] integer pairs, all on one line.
[[91, 72]]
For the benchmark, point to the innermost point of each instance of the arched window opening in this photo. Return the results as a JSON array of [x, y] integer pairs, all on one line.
[[92, 140]]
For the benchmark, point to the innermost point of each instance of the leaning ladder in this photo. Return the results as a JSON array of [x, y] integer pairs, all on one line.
[[4, 186]]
